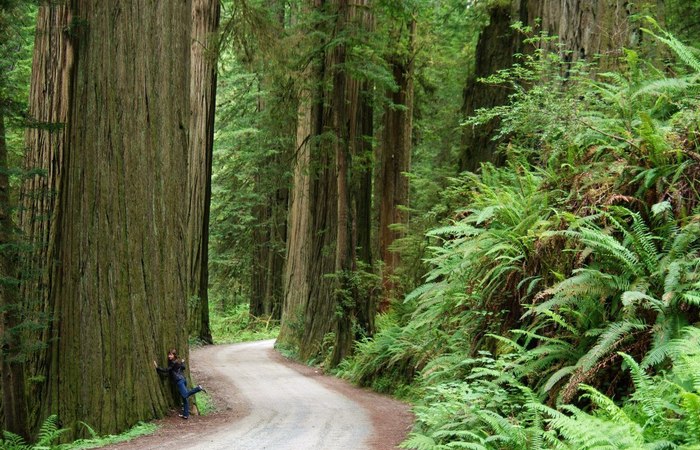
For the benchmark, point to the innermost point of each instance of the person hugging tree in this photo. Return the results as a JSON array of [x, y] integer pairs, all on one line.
[[175, 370]]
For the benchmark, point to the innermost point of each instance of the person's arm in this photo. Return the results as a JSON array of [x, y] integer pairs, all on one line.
[[161, 370]]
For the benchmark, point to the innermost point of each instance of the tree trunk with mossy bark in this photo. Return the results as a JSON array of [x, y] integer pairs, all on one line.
[[117, 293], [205, 23]]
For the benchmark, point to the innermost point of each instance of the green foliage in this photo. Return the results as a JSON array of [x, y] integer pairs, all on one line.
[[237, 325], [16, 39], [140, 429], [48, 434]]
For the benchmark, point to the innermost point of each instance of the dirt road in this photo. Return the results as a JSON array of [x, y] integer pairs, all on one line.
[[267, 402]]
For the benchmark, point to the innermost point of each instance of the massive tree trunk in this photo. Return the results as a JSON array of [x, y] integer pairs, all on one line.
[[117, 293], [586, 29], [395, 160], [319, 297], [205, 22]]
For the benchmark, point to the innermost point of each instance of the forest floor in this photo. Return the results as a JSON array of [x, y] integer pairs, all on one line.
[[265, 401]]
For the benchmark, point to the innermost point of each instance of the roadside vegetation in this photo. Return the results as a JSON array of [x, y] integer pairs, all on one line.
[[561, 304]]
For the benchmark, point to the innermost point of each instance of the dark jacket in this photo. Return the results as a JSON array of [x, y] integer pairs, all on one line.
[[175, 370]]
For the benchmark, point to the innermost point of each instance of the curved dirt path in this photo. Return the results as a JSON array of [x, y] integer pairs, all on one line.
[[265, 401]]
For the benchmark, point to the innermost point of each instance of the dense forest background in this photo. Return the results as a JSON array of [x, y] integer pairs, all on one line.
[[489, 208]]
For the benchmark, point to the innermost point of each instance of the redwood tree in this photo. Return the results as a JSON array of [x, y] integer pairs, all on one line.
[[271, 186], [320, 297], [395, 151], [205, 22], [14, 404], [117, 293]]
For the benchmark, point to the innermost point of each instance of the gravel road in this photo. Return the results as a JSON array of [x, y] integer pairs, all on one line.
[[267, 402]]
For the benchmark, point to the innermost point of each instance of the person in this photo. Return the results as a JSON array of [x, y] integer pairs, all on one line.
[[175, 370]]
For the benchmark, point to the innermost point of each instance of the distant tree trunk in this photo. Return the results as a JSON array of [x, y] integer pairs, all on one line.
[[205, 22], [361, 133], [14, 401], [269, 239], [297, 286], [38, 213], [270, 232], [585, 30], [395, 161], [118, 291], [318, 294], [497, 44]]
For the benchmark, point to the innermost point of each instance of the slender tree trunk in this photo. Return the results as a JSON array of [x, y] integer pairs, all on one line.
[[205, 22], [361, 133], [14, 401], [297, 287], [118, 291], [48, 111], [395, 161], [270, 233]]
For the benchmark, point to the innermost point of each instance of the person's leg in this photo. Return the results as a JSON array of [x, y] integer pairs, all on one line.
[[182, 388], [194, 391]]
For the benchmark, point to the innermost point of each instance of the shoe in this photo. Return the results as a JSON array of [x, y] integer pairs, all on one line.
[[184, 417], [201, 388]]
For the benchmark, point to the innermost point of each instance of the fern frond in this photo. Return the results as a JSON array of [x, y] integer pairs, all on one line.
[[49, 431], [609, 340], [664, 86], [460, 229], [685, 53], [633, 298], [420, 290], [420, 441], [607, 405], [13, 441], [557, 376]]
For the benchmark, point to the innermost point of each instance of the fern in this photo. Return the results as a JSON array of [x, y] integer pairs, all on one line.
[[49, 432], [13, 441]]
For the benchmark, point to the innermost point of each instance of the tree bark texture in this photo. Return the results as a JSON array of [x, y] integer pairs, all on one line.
[[497, 44], [586, 29], [205, 23], [117, 292], [48, 111], [395, 162]]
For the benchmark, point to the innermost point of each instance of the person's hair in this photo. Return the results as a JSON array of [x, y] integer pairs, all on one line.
[[173, 352]]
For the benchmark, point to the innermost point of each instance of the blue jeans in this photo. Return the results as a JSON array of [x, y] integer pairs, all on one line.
[[182, 388]]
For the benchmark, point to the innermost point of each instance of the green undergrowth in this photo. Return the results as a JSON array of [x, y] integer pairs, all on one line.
[[562, 302], [50, 434], [237, 325]]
